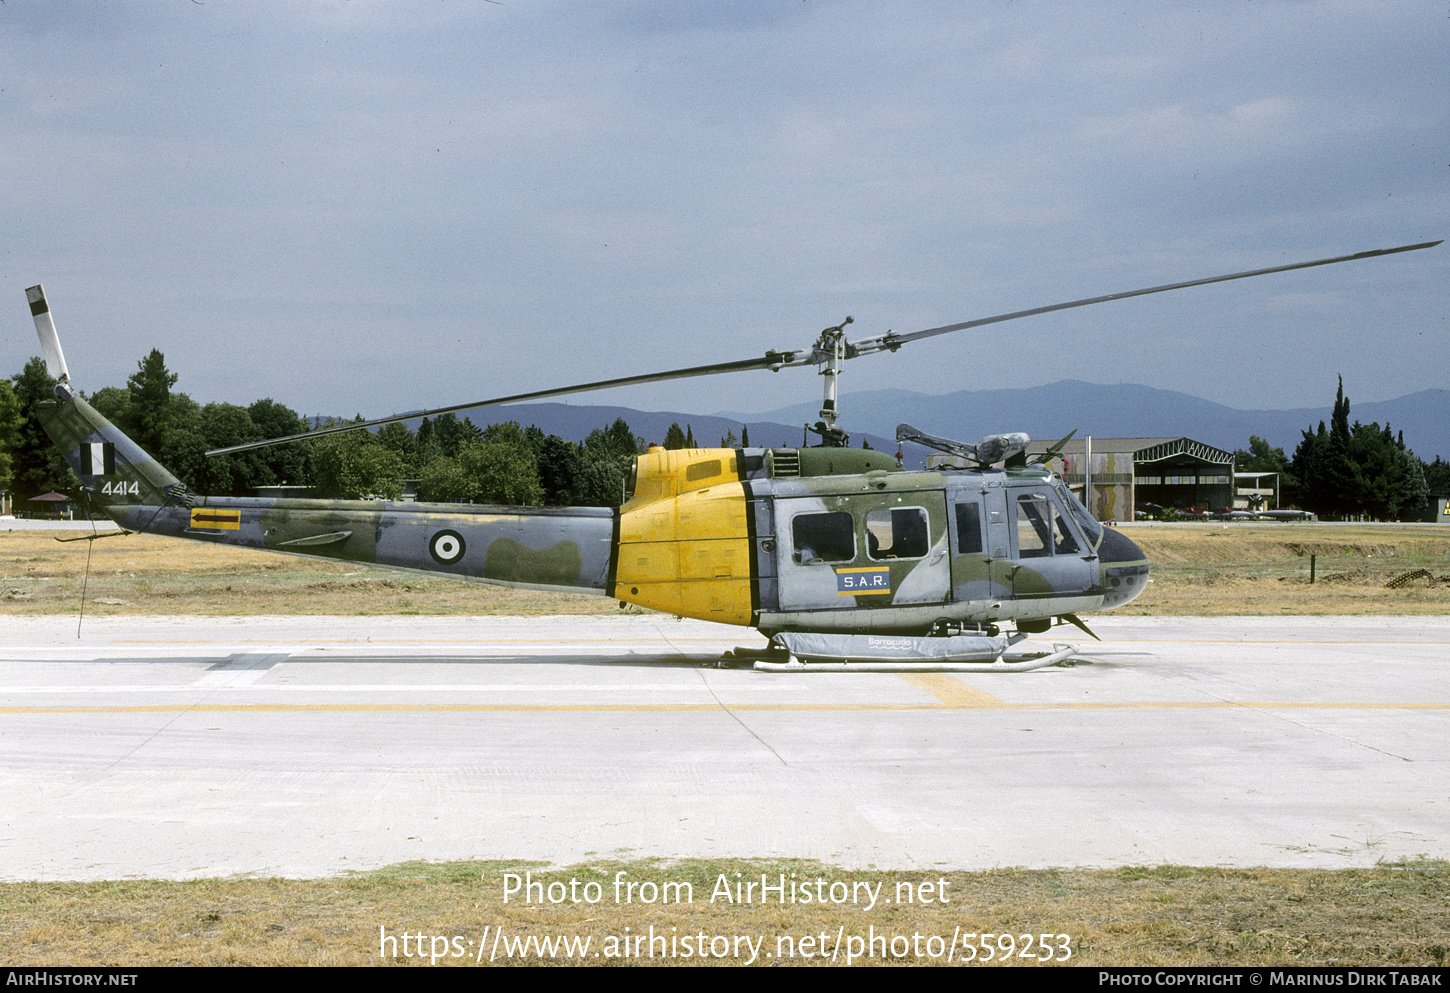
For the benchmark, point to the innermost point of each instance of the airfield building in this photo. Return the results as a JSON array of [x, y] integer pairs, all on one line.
[[1127, 473], [1256, 491]]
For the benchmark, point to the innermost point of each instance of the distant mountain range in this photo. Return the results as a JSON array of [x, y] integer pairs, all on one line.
[[1044, 412], [1124, 411]]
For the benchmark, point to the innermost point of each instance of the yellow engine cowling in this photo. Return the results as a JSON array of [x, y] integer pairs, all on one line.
[[684, 540]]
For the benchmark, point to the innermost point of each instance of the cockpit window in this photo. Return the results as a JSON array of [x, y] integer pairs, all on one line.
[[1034, 538], [1063, 543], [1041, 530], [1091, 528]]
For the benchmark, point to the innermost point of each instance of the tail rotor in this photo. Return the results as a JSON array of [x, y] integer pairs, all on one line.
[[49, 340]]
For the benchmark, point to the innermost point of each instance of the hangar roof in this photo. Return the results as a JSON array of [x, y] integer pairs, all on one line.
[[1143, 449]]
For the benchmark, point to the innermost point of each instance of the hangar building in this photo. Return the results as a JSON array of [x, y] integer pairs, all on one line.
[[1129, 472]]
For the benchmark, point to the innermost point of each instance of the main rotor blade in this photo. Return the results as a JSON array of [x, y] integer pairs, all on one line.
[[893, 339], [775, 361], [771, 360]]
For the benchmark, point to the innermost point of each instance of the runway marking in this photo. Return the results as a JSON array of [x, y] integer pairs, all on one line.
[[240, 670], [625, 639], [243, 661], [425, 708], [291, 689], [951, 690], [714, 639]]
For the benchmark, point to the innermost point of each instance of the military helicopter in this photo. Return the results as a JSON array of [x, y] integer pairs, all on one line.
[[840, 557]]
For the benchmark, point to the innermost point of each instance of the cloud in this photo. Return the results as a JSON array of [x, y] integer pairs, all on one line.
[[458, 196]]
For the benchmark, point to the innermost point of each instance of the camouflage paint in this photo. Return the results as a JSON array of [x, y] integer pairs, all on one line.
[[509, 561], [706, 533], [137, 477], [531, 548]]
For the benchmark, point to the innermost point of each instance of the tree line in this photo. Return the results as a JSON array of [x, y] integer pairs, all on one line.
[[453, 460], [1344, 470], [1339, 470]]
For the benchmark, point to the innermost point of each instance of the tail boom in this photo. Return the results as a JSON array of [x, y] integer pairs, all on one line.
[[564, 549], [556, 549]]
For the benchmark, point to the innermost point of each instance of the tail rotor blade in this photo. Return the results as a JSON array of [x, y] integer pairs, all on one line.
[[49, 340]]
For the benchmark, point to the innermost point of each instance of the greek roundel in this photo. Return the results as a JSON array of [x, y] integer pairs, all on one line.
[[446, 547]]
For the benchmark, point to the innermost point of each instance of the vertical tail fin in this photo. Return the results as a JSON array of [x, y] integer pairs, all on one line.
[[115, 473], [113, 469]]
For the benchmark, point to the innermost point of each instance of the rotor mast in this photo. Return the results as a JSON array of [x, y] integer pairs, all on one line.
[[830, 349]]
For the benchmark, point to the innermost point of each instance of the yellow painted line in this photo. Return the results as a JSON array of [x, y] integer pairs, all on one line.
[[951, 690], [425, 708]]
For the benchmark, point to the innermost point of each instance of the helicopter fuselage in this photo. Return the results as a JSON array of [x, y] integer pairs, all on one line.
[[805, 540], [831, 539], [825, 540]]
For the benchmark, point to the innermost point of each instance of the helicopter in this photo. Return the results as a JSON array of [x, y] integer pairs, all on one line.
[[840, 557]]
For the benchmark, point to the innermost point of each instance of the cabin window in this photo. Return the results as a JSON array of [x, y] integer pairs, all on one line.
[[969, 528], [823, 538], [899, 533]]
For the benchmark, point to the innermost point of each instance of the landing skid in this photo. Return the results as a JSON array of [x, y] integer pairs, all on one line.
[[799, 652]]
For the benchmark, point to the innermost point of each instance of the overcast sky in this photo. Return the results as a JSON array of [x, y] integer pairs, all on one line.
[[375, 206]]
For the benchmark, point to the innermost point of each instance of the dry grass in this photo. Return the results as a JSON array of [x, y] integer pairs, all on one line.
[[151, 575], [1197, 570], [1168, 915], [1263, 569]]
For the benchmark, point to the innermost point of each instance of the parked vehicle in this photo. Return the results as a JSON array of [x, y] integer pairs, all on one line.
[[1147, 512], [1288, 515]]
